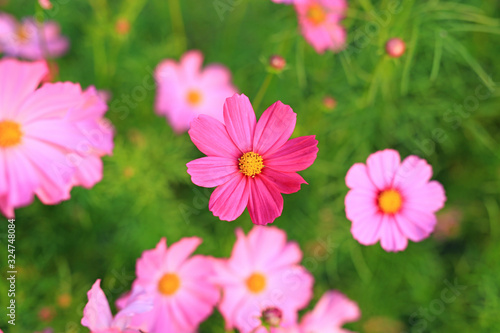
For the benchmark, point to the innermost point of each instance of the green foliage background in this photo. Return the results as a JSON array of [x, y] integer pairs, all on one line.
[[408, 104]]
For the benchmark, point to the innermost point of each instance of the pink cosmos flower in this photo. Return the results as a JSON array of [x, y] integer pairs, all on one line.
[[392, 201], [320, 23], [182, 294], [97, 314], [45, 4], [30, 40], [332, 311], [250, 163], [48, 137], [186, 91], [263, 271]]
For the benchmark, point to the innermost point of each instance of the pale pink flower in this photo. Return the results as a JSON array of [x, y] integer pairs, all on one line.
[[250, 163], [30, 40], [183, 295], [97, 314], [395, 47], [319, 21], [45, 4], [185, 90], [392, 201], [47, 137], [332, 311], [263, 271]]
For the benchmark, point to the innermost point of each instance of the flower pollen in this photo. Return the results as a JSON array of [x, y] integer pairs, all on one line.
[[390, 201], [10, 133], [194, 97], [251, 164], [256, 283], [316, 14], [169, 284]]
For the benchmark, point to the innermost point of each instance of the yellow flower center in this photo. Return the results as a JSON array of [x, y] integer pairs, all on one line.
[[251, 164], [194, 97], [169, 284], [316, 14], [390, 201], [22, 34], [256, 283], [10, 133]]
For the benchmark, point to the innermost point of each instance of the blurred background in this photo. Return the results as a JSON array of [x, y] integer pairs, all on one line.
[[440, 101]]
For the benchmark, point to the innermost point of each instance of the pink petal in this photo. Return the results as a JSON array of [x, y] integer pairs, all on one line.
[[242, 261], [19, 80], [96, 314], [216, 75], [265, 203], [21, 176], [414, 172], [50, 101], [382, 167], [295, 155], [56, 132], [285, 182], [212, 171], [357, 177], [429, 197], [411, 230], [274, 128], [180, 251], [391, 238], [89, 172], [150, 263], [191, 63], [229, 200], [232, 300], [211, 138], [360, 204], [366, 230], [239, 118]]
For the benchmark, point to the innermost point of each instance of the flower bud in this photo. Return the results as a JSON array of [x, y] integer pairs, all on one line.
[[395, 47], [45, 4], [329, 102], [277, 62], [271, 317]]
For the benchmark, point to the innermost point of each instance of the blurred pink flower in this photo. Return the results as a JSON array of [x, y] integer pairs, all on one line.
[[320, 23], [332, 311], [182, 294], [251, 163], [392, 201], [30, 40], [97, 314], [395, 47], [185, 90], [263, 271], [47, 137], [45, 4]]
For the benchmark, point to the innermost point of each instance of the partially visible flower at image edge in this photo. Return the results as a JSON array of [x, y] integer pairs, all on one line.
[[251, 163]]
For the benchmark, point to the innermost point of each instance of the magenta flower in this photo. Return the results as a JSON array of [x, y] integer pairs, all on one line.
[[263, 272], [392, 201], [97, 314], [332, 311], [182, 294], [30, 41], [186, 91], [48, 137], [250, 163], [320, 23]]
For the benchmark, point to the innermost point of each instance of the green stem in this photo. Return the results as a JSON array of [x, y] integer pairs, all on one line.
[[263, 88], [178, 23]]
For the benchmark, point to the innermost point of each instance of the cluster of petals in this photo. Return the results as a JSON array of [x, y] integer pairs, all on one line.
[[263, 271], [392, 201], [31, 40], [185, 90], [97, 315], [178, 284], [51, 138], [251, 163]]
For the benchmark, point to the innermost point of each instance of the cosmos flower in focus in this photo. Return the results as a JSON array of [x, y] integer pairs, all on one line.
[[392, 201], [31, 40], [250, 162], [97, 314], [262, 272], [319, 21], [185, 90], [50, 137], [183, 295]]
